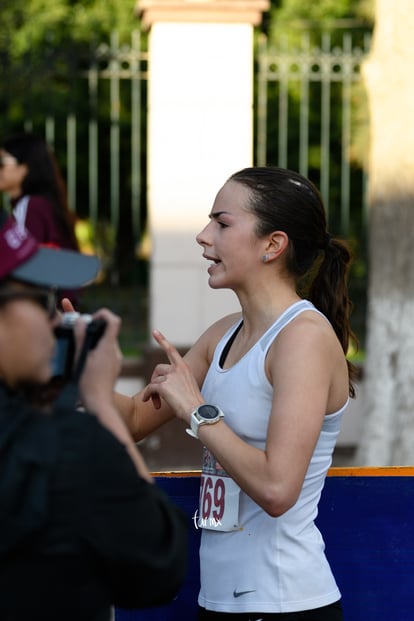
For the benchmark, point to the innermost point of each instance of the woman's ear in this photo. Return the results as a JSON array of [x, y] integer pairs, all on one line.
[[276, 244]]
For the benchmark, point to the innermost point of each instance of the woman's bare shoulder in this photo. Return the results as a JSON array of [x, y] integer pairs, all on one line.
[[220, 327], [208, 341]]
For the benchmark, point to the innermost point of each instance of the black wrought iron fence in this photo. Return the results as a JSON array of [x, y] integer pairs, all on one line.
[[91, 106], [308, 114]]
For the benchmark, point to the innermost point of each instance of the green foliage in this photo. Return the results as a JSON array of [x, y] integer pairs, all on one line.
[[43, 44], [33, 23], [321, 11]]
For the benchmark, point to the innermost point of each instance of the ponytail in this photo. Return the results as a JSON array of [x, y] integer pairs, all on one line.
[[329, 293]]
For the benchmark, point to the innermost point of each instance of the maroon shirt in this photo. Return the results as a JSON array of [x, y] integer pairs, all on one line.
[[40, 222]]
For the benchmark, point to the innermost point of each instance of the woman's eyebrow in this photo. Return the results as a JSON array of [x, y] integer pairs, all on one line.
[[217, 214]]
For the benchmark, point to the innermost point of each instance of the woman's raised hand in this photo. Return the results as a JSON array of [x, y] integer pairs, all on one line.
[[173, 382]]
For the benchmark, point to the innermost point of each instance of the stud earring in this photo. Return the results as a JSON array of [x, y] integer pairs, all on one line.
[[265, 258]]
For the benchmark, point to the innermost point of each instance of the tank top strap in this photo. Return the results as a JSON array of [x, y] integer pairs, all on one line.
[[285, 318]]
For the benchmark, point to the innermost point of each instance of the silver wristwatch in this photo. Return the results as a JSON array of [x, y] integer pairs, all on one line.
[[205, 414]]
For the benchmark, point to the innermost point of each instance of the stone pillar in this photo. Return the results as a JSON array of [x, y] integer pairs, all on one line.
[[200, 130]]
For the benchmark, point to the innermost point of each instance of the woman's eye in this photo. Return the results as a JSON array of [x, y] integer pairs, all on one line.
[[222, 225]]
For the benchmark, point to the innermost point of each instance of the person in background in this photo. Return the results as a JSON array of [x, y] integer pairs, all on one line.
[[30, 176], [264, 390], [83, 527]]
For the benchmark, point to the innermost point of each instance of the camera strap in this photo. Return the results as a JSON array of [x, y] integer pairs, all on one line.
[[80, 363], [69, 395], [94, 331], [68, 398]]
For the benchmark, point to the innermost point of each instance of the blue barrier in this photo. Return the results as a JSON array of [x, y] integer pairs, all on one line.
[[366, 517]]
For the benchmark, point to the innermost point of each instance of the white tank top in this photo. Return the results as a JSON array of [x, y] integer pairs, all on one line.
[[267, 564]]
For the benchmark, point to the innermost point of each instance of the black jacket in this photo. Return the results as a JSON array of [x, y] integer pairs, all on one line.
[[79, 529]]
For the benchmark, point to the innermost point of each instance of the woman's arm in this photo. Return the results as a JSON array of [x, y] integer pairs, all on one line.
[[142, 416], [308, 372], [102, 367]]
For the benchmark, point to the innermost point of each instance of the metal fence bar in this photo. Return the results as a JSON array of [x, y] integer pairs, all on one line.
[[331, 73], [366, 47], [136, 103], [304, 103], [93, 142], [71, 159], [50, 130], [261, 103], [325, 119], [114, 67], [283, 108], [346, 134]]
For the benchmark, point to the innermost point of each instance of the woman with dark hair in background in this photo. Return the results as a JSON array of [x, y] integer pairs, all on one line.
[[29, 174]]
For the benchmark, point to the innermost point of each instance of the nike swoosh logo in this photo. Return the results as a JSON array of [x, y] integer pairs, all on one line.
[[239, 593]]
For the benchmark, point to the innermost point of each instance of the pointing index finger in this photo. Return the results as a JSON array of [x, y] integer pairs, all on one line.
[[170, 350]]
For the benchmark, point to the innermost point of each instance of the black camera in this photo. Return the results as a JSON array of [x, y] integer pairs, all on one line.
[[63, 360]]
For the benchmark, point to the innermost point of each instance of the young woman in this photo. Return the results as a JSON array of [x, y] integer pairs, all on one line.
[[30, 176], [82, 526], [264, 391]]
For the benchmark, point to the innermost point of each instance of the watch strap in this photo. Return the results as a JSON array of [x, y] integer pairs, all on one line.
[[196, 422]]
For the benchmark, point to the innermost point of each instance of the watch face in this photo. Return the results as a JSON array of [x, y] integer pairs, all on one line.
[[208, 411]]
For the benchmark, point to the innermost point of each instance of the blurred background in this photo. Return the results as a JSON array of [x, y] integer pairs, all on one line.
[[78, 73]]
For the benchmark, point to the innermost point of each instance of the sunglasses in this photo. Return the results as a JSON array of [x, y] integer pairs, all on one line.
[[46, 299]]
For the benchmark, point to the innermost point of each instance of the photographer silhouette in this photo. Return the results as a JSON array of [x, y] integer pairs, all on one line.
[[82, 526]]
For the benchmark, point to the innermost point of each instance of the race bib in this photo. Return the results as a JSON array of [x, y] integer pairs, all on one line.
[[219, 497]]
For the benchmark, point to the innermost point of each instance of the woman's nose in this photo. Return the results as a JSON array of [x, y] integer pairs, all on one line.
[[201, 237]]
